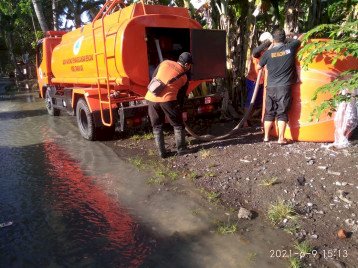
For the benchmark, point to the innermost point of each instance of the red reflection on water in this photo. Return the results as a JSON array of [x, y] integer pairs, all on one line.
[[77, 192]]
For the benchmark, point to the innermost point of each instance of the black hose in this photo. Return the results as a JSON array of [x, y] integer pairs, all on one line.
[[236, 128]]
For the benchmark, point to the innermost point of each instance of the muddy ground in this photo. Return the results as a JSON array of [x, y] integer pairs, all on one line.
[[319, 184]]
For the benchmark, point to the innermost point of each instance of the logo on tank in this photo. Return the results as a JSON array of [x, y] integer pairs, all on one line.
[[77, 45]]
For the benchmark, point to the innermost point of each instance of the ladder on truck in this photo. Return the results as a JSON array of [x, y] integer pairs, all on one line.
[[105, 10]]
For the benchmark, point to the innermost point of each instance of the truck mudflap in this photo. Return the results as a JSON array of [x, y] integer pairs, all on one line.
[[202, 106], [135, 116], [98, 120]]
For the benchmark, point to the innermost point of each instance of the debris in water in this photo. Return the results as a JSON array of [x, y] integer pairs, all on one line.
[[301, 180], [5, 224], [342, 234], [322, 167], [244, 214], [341, 195], [334, 173]]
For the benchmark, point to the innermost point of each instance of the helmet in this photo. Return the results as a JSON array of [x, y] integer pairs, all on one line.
[[185, 57], [265, 36]]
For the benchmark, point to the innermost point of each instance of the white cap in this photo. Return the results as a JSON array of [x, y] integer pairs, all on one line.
[[265, 36]]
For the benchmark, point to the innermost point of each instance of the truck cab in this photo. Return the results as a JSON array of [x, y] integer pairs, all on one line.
[[44, 50]]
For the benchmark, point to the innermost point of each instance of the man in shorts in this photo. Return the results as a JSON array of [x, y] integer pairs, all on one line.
[[281, 68]]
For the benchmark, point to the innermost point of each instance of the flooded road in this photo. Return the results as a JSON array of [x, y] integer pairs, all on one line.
[[69, 202]]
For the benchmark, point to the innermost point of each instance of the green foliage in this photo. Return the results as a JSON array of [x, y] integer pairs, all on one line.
[[341, 43], [338, 9], [251, 257], [279, 211], [73, 9], [292, 228], [303, 248], [16, 31], [269, 181], [162, 173], [38, 36], [205, 154], [145, 136], [193, 176], [213, 197], [226, 228], [347, 80], [137, 161], [294, 262]]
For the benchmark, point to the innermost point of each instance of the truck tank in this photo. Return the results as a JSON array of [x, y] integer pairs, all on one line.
[[132, 35], [100, 72]]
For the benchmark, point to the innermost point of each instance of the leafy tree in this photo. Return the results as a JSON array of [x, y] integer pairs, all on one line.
[[74, 9], [18, 31], [342, 42]]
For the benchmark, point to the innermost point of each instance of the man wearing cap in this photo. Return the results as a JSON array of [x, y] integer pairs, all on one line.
[[265, 40], [169, 102], [281, 74]]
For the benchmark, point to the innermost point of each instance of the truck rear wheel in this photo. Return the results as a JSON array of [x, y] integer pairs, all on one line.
[[85, 121], [49, 105]]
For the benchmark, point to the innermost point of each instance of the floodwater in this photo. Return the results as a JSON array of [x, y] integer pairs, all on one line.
[[68, 202]]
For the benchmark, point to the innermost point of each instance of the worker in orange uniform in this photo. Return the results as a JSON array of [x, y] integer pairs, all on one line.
[[169, 102], [265, 39]]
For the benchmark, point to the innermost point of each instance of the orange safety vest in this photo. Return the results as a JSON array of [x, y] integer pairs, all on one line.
[[253, 70], [167, 70]]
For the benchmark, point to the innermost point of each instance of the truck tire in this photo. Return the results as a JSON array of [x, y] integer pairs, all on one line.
[[85, 121], [49, 105]]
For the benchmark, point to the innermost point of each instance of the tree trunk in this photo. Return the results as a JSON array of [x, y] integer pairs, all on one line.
[[275, 5], [40, 15], [77, 13], [54, 14], [249, 35], [9, 41], [246, 34], [315, 14], [33, 25], [226, 85], [187, 4], [291, 17]]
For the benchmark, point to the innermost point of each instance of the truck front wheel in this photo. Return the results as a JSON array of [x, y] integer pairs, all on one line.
[[85, 121], [49, 104]]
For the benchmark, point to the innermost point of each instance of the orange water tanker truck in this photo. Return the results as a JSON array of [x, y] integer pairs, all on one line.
[[100, 72]]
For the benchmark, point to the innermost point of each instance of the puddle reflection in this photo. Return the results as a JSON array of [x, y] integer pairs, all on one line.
[[93, 216]]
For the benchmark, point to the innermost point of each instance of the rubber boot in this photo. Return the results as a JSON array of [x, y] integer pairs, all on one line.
[[179, 134], [159, 142]]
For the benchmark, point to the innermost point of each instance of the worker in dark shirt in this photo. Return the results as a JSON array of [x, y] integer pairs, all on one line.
[[281, 69], [169, 102]]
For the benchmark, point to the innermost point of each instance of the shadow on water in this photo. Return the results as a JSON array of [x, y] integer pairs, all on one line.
[[176, 251], [11, 115], [60, 216]]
